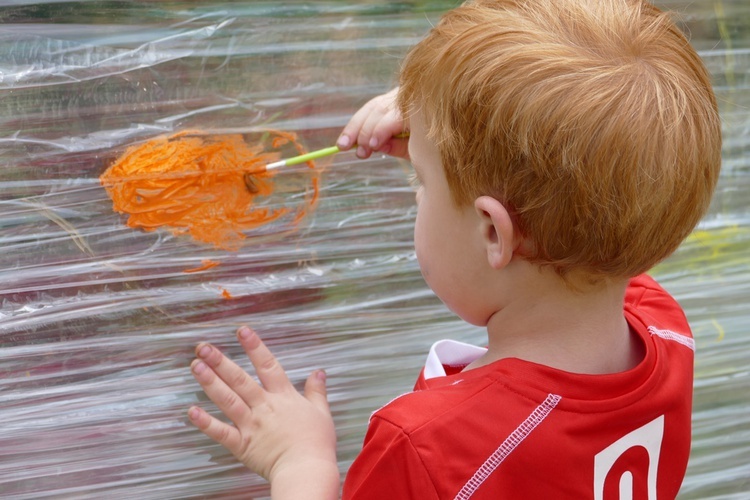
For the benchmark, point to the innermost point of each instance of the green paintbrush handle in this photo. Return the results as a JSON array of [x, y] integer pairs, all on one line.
[[313, 155]]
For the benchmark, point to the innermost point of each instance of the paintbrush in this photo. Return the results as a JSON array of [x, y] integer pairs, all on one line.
[[296, 160], [314, 155]]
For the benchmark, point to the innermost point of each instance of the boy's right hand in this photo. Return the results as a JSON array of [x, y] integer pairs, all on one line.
[[375, 127]]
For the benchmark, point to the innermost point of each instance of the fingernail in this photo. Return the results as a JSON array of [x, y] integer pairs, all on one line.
[[343, 142], [194, 413], [374, 143], [361, 152], [199, 367], [204, 351], [244, 333], [321, 375]]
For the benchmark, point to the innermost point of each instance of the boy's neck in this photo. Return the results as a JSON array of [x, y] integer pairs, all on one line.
[[546, 322]]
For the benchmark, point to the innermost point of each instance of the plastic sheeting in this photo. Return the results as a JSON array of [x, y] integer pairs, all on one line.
[[98, 320]]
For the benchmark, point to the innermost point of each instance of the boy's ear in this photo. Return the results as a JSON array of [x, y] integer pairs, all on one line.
[[497, 231]]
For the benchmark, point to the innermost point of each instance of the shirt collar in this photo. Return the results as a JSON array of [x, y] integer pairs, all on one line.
[[449, 352]]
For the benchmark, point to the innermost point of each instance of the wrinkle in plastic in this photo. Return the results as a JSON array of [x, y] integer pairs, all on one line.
[[98, 319]]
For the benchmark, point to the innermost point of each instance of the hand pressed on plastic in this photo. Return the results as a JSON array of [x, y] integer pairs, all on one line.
[[286, 437]]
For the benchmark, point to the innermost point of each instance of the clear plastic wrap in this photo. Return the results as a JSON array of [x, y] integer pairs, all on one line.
[[98, 320]]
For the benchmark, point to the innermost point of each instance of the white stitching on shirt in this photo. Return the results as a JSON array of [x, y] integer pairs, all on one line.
[[511, 442], [670, 335]]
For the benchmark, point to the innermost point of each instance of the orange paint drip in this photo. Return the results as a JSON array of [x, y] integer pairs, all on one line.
[[195, 184], [205, 264]]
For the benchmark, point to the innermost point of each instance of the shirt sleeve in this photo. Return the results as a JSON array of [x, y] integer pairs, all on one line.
[[388, 467]]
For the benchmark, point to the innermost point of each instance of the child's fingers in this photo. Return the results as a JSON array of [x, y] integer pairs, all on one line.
[[389, 137], [233, 376], [386, 128], [372, 125], [365, 137], [383, 122], [267, 368], [315, 390], [350, 133], [230, 402], [222, 433]]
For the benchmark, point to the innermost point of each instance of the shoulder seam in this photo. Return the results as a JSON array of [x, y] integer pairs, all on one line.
[[688, 342], [407, 437]]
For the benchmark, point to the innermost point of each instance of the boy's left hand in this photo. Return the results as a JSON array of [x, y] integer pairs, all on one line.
[[277, 432]]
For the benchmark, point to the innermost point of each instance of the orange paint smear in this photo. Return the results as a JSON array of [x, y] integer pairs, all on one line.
[[205, 264], [194, 184], [226, 295]]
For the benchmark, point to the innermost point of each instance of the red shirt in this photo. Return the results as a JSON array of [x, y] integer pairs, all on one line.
[[516, 429]]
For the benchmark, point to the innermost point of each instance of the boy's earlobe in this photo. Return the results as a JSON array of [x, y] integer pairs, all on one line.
[[496, 226]]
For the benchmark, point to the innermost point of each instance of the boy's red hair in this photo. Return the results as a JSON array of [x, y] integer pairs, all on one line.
[[594, 121]]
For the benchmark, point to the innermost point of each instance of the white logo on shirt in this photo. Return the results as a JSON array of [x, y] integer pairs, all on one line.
[[649, 437]]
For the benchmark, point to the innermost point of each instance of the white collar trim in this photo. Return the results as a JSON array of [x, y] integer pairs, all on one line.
[[449, 352]]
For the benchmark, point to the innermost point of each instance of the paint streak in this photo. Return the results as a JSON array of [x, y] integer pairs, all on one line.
[[205, 264]]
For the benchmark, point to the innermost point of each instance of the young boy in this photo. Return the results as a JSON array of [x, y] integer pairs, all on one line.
[[562, 148]]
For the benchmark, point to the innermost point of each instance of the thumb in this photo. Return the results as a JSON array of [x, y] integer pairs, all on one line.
[[315, 390], [398, 147]]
